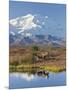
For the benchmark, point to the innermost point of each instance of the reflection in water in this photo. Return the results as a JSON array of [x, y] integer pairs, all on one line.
[[30, 80], [24, 76], [43, 73], [29, 77]]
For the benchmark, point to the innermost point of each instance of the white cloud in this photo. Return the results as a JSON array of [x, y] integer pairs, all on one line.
[[46, 17], [24, 22]]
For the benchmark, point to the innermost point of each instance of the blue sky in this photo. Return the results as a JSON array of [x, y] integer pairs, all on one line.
[[56, 14]]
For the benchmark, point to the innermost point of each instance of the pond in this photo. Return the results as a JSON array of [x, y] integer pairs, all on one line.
[[25, 80]]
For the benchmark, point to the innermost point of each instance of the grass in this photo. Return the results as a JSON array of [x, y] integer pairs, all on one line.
[[53, 68], [23, 68], [23, 60]]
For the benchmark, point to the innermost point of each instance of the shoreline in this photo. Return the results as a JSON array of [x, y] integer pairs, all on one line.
[[53, 66]]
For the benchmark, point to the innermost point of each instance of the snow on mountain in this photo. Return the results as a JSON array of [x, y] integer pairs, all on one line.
[[28, 39], [12, 33], [24, 23], [28, 35], [29, 29]]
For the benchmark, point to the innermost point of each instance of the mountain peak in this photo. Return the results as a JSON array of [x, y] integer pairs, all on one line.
[[24, 23], [35, 24]]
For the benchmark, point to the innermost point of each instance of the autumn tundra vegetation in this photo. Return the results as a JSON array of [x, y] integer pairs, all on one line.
[[35, 57]]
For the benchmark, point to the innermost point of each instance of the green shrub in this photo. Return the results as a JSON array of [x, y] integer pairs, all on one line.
[[35, 48]]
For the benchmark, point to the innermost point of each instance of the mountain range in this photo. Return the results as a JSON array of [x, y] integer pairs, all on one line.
[[36, 39], [29, 29]]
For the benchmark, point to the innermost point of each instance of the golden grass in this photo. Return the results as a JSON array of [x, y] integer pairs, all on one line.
[[28, 67], [53, 68], [24, 60]]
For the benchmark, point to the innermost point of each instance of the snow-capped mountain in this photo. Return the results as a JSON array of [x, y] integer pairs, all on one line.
[[36, 39], [30, 29], [25, 23]]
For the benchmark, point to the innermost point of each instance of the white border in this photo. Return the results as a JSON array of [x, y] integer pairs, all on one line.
[[4, 68], [4, 47], [46, 1]]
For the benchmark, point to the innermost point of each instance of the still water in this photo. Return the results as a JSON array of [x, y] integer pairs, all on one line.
[[25, 80]]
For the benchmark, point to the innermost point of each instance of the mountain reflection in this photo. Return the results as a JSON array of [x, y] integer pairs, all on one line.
[[29, 77]]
